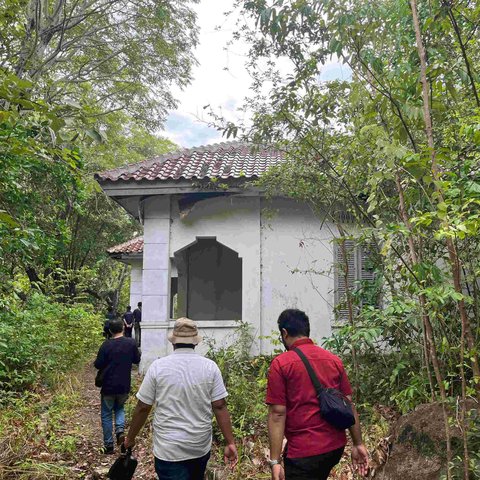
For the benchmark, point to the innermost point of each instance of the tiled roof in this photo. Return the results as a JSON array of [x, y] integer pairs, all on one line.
[[135, 245], [222, 160]]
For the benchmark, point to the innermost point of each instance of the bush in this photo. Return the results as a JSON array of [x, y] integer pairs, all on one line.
[[245, 379], [43, 339]]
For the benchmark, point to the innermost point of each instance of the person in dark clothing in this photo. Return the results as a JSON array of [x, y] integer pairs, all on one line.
[[108, 318], [128, 320], [137, 317], [115, 357]]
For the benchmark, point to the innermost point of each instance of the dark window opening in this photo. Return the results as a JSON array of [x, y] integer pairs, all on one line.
[[356, 276], [209, 281]]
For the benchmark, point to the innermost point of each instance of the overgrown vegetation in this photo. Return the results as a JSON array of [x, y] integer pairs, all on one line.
[[389, 155], [41, 340], [83, 88], [42, 343]]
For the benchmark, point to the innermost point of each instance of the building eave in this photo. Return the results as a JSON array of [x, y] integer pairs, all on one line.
[[171, 187]]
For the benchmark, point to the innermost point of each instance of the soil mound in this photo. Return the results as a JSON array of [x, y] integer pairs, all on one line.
[[418, 445]]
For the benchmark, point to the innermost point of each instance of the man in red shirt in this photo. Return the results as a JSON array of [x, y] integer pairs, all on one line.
[[314, 446]]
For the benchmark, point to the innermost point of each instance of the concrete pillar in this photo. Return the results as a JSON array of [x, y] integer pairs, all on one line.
[[155, 279], [136, 283]]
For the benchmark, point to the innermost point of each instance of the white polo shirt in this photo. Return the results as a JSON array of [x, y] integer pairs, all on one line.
[[182, 386]]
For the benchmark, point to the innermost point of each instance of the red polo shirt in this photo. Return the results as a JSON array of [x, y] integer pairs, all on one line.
[[289, 385]]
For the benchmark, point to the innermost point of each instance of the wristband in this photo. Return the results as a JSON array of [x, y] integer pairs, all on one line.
[[272, 463]]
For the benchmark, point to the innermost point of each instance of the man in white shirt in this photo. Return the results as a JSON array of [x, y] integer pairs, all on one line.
[[185, 387]]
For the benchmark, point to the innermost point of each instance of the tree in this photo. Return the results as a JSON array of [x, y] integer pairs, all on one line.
[[39, 179], [395, 147], [83, 83], [101, 55], [55, 223]]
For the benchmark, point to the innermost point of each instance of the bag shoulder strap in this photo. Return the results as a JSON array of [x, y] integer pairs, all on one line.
[[311, 373]]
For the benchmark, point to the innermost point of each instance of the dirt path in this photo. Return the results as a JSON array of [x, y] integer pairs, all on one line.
[[89, 463]]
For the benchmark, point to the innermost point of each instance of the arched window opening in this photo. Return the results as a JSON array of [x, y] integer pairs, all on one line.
[[209, 281]]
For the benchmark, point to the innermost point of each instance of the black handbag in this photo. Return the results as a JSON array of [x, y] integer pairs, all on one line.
[[99, 378], [335, 407], [124, 466]]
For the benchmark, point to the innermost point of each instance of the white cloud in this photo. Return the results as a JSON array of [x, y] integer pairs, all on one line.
[[186, 131], [220, 80]]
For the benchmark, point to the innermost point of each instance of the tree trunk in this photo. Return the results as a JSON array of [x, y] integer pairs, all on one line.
[[452, 251], [414, 257], [121, 280], [348, 294]]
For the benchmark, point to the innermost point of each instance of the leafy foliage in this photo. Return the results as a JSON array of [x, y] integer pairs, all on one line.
[[245, 379], [42, 339], [362, 152], [97, 56]]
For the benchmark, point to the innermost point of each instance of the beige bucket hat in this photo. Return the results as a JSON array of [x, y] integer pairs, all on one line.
[[185, 331]]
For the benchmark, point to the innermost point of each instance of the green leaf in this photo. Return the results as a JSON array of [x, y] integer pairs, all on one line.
[[8, 219], [94, 135]]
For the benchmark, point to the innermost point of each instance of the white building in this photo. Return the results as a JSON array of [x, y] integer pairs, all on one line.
[[218, 251]]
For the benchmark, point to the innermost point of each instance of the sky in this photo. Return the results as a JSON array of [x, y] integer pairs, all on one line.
[[220, 79]]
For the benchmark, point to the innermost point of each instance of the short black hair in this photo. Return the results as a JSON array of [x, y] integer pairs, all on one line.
[[139, 304], [129, 308], [183, 345], [115, 326], [295, 322]]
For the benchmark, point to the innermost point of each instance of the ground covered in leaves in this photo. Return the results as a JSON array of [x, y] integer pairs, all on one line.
[[60, 437], [90, 464]]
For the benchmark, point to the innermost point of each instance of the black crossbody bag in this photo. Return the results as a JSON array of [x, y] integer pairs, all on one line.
[[335, 407]]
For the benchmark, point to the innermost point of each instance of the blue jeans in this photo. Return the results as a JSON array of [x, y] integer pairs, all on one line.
[[193, 469], [112, 404]]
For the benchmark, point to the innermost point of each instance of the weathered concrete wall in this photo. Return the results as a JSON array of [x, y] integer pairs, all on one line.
[[297, 259], [136, 282], [234, 222], [156, 278], [286, 254]]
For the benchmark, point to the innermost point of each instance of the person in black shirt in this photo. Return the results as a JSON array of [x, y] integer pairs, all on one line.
[[128, 322], [137, 316], [115, 357], [108, 318]]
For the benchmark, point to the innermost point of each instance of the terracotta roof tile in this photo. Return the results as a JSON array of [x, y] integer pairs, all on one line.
[[135, 245], [222, 161]]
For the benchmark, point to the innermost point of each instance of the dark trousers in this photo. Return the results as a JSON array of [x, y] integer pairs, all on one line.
[[193, 469], [312, 468], [138, 334]]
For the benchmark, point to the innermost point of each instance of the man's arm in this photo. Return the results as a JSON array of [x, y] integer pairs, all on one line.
[[277, 415], [140, 415], [220, 411], [136, 355], [100, 360], [359, 451]]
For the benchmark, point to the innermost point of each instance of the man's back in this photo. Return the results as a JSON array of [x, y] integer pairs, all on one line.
[[116, 356], [183, 386], [290, 385], [128, 317]]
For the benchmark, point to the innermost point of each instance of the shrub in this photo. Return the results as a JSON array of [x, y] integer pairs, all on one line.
[[245, 379], [43, 339]]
